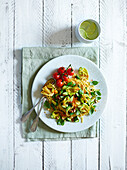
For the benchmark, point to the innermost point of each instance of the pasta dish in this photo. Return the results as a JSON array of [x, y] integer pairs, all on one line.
[[72, 97]]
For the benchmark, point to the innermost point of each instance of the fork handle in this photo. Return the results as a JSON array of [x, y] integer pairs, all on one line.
[[36, 120], [34, 124], [27, 114]]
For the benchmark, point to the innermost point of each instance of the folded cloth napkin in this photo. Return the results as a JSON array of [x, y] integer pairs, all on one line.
[[32, 60]]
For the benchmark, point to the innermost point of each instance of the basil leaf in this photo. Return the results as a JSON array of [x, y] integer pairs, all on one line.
[[91, 110], [93, 93], [47, 104], [98, 98], [98, 92], [69, 84], [62, 122], [94, 82]]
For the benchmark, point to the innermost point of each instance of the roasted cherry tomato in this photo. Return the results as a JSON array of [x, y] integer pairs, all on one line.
[[65, 78], [59, 82], [61, 70], [70, 71], [56, 75]]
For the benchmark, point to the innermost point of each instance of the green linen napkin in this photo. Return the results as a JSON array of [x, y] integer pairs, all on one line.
[[33, 59]]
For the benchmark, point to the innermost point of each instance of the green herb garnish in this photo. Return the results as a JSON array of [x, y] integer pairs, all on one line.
[[93, 93], [98, 92], [98, 98], [76, 119], [94, 82], [47, 104], [69, 84], [91, 110], [60, 121]]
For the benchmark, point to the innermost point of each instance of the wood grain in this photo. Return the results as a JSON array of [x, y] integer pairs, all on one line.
[[57, 23], [52, 23], [82, 154], [85, 154], [57, 32], [113, 65], [82, 10], [57, 155], [28, 32], [6, 85]]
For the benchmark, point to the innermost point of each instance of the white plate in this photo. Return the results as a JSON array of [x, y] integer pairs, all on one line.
[[94, 73]]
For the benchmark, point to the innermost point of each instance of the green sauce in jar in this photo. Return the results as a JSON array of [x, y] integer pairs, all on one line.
[[88, 30]]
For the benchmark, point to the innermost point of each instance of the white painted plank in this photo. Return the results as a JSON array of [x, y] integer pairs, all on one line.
[[57, 32], [28, 32], [85, 151], [57, 155], [82, 10], [28, 156], [113, 65], [126, 108], [85, 154], [6, 85], [57, 23]]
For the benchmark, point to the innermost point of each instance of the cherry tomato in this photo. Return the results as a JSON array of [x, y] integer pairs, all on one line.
[[56, 75], [65, 77], [61, 70], [59, 83], [65, 73], [70, 71]]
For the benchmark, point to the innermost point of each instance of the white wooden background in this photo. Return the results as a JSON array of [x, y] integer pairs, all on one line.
[[27, 23]]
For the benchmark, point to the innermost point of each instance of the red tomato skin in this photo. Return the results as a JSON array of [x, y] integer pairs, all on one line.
[[65, 78], [61, 70], [65, 74], [56, 75], [59, 82], [70, 71]]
